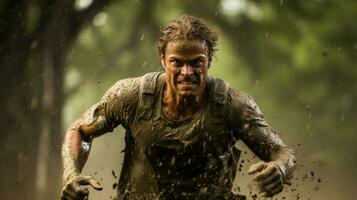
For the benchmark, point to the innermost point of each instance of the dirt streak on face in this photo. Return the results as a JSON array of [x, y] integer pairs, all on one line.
[[186, 63]]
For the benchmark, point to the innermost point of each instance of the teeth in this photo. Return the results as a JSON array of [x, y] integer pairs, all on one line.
[[186, 82]]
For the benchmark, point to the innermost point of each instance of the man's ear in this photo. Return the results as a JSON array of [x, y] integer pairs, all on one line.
[[162, 59]]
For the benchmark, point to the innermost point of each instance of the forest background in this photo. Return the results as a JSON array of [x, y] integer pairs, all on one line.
[[296, 58]]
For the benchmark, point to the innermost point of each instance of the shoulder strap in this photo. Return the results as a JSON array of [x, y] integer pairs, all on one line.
[[220, 96], [147, 95]]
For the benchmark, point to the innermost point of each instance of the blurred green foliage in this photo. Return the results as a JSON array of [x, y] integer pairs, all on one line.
[[296, 58]]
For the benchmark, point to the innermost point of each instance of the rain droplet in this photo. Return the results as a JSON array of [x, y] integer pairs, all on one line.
[[142, 37]]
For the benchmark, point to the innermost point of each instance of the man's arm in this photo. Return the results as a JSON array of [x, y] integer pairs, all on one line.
[[75, 151], [278, 160], [116, 107]]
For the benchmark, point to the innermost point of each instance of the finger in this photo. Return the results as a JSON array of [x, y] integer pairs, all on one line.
[[95, 184], [277, 190], [63, 197], [267, 172], [274, 191], [74, 191], [257, 167], [88, 180], [269, 189], [81, 191], [69, 195], [270, 179], [263, 195]]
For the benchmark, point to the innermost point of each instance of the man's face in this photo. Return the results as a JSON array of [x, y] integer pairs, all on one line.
[[186, 64]]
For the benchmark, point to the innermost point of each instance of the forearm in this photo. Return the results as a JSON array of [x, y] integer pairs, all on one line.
[[286, 160], [267, 145], [75, 152]]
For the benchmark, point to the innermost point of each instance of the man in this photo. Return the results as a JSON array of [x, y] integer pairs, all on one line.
[[181, 127]]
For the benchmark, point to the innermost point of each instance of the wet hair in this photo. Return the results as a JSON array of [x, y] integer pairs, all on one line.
[[188, 27]]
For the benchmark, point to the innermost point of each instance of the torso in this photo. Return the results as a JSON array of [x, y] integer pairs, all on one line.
[[175, 159]]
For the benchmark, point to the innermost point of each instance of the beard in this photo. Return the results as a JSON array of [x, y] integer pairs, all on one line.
[[187, 86]]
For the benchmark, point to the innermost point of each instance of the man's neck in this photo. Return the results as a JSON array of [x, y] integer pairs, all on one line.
[[176, 107]]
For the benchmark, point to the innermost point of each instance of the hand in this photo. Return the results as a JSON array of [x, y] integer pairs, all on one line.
[[269, 178], [74, 190]]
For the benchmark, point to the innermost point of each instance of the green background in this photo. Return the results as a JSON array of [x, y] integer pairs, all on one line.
[[296, 58]]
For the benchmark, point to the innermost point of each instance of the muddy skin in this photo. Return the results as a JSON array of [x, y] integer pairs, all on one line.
[[160, 151], [186, 63], [77, 143], [181, 128]]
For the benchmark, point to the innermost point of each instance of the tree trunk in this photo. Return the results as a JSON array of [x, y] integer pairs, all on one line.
[[32, 73]]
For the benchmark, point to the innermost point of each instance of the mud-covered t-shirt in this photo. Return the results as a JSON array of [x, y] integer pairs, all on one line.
[[181, 159], [117, 106]]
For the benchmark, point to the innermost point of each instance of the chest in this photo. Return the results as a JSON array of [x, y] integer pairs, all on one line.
[[204, 134]]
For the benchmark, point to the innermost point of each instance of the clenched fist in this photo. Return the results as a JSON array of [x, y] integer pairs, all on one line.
[[269, 178], [73, 189]]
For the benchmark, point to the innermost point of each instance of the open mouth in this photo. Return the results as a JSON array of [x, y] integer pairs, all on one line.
[[186, 82]]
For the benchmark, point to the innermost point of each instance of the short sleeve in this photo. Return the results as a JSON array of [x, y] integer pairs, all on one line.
[[250, 126], [116, 107]]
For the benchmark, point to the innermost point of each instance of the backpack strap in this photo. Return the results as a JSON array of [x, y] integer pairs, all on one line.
[[220, 96], [147, 95]]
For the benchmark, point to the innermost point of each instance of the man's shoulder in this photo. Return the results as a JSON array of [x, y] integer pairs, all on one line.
[[124, 89], [242, 101], [223, 86], [127, 85], [239, 103], [235, 97], [131, 86]]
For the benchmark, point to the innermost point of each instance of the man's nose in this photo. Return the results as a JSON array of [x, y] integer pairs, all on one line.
[[186, 69]]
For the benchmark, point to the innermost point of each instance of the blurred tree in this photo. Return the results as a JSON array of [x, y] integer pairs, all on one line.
[[35, 37], [297, 58]]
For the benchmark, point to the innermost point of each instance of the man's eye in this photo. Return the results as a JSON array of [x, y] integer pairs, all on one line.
[[176, 63], [197, 63]]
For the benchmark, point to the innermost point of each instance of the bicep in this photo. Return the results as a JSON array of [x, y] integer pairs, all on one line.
[[115, 108], [254, 131], [94, 122]]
